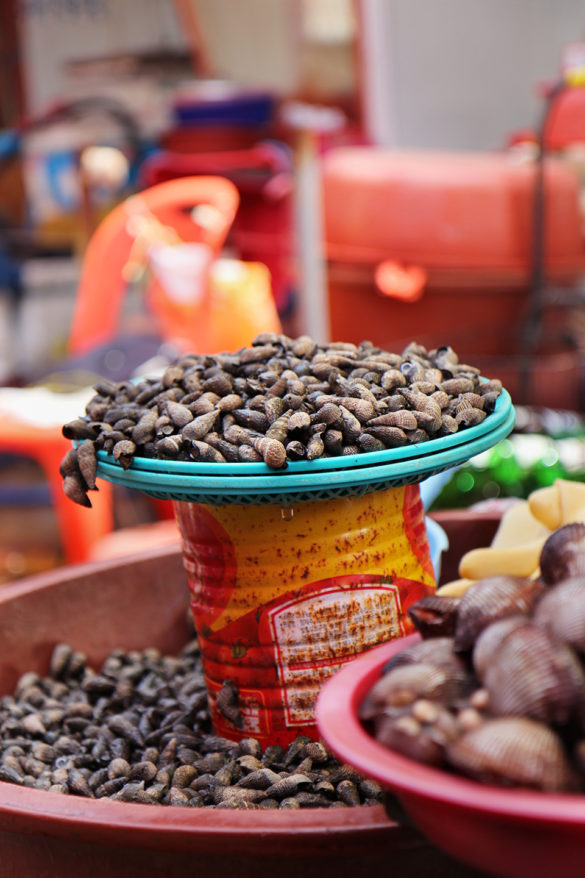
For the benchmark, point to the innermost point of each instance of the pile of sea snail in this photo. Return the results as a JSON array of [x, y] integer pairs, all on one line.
[[138, 730], [279, 400], [495, 689]]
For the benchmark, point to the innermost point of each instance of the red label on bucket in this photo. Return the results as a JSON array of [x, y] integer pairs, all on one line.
[[292, 645]]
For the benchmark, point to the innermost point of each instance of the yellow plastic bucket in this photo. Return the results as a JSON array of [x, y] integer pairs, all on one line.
[[282, 597]]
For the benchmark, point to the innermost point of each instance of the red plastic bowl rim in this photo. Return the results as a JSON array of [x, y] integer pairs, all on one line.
[[337, 719]]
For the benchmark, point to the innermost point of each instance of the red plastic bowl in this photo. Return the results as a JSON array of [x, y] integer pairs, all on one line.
[[514, 833]]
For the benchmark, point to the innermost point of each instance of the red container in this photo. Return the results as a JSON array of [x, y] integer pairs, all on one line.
[[465, 220], [513, 833], [282, 598]]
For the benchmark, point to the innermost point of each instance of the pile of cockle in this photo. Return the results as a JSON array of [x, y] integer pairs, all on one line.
[[279, 400], [495, 690]]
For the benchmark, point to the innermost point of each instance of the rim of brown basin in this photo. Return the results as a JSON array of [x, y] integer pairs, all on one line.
[[37, 605]]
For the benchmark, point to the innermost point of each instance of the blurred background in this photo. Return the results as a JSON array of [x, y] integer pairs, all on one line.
[[403, 169]]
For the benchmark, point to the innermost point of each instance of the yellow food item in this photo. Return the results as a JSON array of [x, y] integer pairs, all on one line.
[[518, 526], [519, 561], [524, 527], [545, 505], [455, 588], [572, 500]]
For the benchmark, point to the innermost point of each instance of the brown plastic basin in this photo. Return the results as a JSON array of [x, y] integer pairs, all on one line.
[[133, 603]]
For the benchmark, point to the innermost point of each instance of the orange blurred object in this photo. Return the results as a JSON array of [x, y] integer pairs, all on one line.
[[221, 304], [169, 213], [465, 219], [177, 229], [405, 283], [263, 229], [79, 528]]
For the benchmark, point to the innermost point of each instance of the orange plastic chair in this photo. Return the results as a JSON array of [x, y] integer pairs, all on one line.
[[175, 205], [236, 306], [78, 528], [199, 210]]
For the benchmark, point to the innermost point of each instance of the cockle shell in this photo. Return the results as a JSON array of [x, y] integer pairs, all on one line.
[[490, 640], [422, 733], [437, 651], [435, 615], [404, 685], [490, 599], [563, 554], [513, 751], [561, 612], [536, 676]]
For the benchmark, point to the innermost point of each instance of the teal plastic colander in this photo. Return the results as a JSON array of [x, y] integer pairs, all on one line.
[[324, 478]]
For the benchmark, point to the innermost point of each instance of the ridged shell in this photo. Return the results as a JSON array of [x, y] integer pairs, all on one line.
[[200, 450], [413, 371], [407, 683], [199, 426], [315, 447], [87, 462], [561, 612], [563, 554], [470, 417], [439, 653], [448, 425], [535, 676], [391, 379], [273, 452], [367, 442], [74, 488], [404, 419], [490, 640], [423, 743], [444, 357], [435, 615], [490, 599], [351, 427], [513, 752], [392, 437]]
